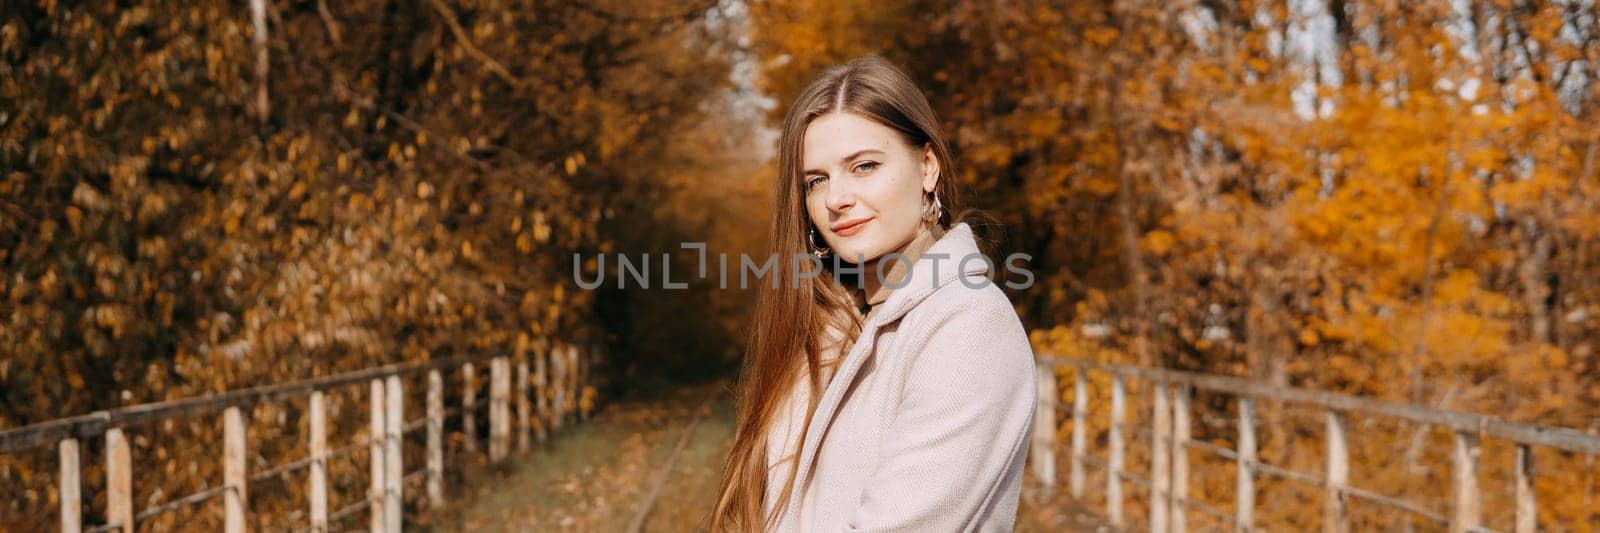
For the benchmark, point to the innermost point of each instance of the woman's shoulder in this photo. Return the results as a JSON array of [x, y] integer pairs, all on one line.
[[969, 298], [971, 314], [968, 335]]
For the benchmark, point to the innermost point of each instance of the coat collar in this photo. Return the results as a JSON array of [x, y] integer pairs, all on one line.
[[941, 264], [898, 269]]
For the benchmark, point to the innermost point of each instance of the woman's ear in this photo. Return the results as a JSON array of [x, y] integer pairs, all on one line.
[[930, 168]]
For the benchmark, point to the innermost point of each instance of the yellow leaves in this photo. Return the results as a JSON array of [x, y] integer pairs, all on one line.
[[1458, 286], [213, 55], [151, 206], [586, 400], [1309, 337], [109, 316], [1100, 185], [75, 219], [1101, 36], [360, 202], [1168, 122], [573, 163], [1157, 242], [1043, 124], [86, 196], [153, 247], [541, 229], [991, 153], [312, 247], [401, 153]]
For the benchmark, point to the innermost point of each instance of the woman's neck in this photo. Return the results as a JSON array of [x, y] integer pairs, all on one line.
[[893, 269]]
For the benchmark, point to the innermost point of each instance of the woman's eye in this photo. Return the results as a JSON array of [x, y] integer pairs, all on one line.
[[814, 181], [867, 166]]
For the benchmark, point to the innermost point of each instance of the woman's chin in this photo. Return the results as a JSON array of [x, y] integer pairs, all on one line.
[[856, 256]]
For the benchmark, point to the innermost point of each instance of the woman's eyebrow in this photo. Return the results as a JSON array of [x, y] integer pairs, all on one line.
[[858, 153]]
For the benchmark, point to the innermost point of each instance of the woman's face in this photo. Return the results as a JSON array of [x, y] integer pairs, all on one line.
[[863, 186]]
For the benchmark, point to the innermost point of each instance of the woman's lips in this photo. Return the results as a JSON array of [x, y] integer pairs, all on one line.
[[851, 228]]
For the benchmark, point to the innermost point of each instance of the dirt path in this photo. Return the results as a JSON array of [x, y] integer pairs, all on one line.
[[595, 477]]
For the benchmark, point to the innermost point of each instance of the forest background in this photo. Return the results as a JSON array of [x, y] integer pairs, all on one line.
[[1390, 199]]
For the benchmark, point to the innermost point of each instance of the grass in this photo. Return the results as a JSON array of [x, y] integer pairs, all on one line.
[[594, 476]]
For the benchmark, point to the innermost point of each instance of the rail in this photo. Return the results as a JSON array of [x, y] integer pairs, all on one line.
[[553, 392], [1170, 431]]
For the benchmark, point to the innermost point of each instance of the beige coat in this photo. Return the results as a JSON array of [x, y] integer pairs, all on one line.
[[924, 425]]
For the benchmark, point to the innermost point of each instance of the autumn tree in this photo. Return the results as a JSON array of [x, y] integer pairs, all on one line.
[[1386, 199], [215, 195]]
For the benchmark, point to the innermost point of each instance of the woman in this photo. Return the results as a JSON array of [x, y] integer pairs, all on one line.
[[889, 384]]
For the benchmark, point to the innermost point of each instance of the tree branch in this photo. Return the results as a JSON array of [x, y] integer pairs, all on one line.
[[466, 43]]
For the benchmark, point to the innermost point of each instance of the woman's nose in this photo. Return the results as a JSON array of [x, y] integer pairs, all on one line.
[[840, 195]]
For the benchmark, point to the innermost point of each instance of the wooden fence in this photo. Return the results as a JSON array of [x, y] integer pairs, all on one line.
[[1170, 443], [555, 397]]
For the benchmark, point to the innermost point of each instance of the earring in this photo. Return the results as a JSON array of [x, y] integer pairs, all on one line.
[[820, 251], [937, 210]]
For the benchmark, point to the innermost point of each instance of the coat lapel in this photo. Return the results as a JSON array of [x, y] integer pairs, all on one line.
[[827, 407], [956, 244]]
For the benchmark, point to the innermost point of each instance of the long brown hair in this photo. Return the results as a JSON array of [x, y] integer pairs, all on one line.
[[790, 316]]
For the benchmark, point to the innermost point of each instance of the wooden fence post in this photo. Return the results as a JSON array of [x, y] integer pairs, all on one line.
[[70, 486], [469, 401], [1527, 513], [1044, 427], [1114, 471], [1338, 476], [235, 475], [559, 360], [1245, 491], [585, 400], [1466, 513], [1160, 460], [435, 408], [570, 388], [558, 382], [318, 415], [1180, 459], [375, 490], [119, 481], [394, 469], [577, 385], [499, 385], [541, 382], [1080, 414], [580, 357], [524, 413]]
